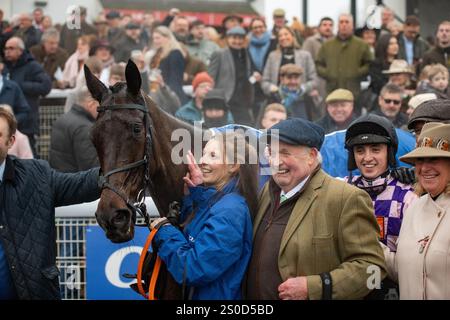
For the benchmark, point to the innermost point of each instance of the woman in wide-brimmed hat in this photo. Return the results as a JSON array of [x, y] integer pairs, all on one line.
[[422, 260]]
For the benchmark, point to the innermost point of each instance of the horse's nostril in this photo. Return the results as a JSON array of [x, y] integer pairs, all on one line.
[[121, 217]]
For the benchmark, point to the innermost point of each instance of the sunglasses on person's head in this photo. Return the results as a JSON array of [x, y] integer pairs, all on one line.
[[389, 101]]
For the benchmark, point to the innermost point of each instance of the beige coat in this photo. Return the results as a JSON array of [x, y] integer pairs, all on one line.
[[332, 229], [423, 275]]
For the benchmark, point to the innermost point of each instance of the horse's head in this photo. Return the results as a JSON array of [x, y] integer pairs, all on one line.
[[122, 138]]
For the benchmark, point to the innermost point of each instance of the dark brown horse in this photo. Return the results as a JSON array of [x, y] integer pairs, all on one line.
[[132, 137]]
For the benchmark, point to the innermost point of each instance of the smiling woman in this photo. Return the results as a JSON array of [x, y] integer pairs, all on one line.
[[424, 237], [211, 254]]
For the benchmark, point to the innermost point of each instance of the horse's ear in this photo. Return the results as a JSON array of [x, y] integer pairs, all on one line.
[[133, 77], [95, 86]]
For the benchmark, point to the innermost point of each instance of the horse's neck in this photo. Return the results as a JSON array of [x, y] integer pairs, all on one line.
[[166, 177]]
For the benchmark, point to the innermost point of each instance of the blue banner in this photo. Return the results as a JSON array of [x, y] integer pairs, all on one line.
[[106, 262]]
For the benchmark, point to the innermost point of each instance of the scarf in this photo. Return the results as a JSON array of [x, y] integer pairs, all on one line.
[[258, 49], [290, 96]]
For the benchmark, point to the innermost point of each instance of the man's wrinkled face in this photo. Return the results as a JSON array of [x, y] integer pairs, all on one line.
[[340, 111], [390, 104], [291, 164]]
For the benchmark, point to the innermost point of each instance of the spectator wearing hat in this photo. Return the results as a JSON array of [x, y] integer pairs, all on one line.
[[170, 58], [279, 21], [314, 236], [101, 24], [198, 46], [52, 57], [400, 74], [340, 107], [344, 60], [273, 114], [103, 51], [389, 105], [131, 41], [70, 35], [432, 110], [231, 70], [441, 51], [192, 111], [412, 46], [291, 94], [228, 23], [424, 237], [115, 32], [215, 110]]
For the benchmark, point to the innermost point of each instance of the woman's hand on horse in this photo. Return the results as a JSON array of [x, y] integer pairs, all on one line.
[[194, 177]]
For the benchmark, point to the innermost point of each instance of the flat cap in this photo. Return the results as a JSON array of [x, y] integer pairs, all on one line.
[[236, 31], [418, 99], [340, 95], [297, 132], [430, 111], [112, 15], [289, 69], [132, 25]]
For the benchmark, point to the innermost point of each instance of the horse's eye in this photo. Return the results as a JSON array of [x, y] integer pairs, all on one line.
[[136, 129]]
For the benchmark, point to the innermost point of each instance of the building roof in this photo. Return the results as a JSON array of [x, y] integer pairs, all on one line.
[[236, 7]]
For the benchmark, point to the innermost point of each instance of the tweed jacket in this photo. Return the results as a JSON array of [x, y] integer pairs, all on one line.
[[332, 229]]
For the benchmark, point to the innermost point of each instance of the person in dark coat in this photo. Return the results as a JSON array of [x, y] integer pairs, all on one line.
[[30, 190], [170, 59], [26, 31], [130, 42], [441, 52], [70, 32], [12, 95], [31, 78], [71, 147], [389, 105]]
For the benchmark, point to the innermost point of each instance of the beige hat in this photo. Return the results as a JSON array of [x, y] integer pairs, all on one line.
[[289, 69], [279, 13], [340, 95], [398, 66], [417, 100], [434, 142]]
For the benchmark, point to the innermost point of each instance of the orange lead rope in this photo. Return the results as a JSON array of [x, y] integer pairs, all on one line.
[[155, 273]]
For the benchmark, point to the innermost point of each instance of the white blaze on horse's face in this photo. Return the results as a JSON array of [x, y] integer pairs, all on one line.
[[212, 164]]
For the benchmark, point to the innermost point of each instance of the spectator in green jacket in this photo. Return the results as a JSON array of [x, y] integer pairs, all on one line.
[[344, 60]]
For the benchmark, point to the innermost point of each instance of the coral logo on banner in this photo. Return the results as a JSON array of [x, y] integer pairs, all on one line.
[[106, 262]]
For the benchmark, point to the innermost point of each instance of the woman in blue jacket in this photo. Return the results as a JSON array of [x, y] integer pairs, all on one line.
[[211, 254]]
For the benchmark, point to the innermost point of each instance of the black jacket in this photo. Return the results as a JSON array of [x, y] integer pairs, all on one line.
[[12, 95], [30, 192], [71, 147], [34, 82]]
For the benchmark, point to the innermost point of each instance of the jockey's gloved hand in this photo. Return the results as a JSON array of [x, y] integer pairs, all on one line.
[[174, 213], [404, 175]]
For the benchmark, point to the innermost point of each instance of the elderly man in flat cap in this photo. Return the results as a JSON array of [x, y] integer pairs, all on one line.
[[314, 237]]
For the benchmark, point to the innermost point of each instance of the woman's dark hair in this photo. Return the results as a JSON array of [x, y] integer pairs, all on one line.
[[382, 47], [239, 151]]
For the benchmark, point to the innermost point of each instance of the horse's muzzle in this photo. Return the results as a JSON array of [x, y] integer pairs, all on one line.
[[118, 225]]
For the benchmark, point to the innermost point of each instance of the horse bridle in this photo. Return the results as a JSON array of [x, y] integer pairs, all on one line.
[[139, 206]]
